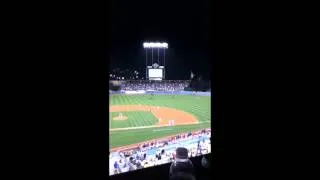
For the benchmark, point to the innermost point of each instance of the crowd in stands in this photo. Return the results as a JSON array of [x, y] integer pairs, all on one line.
[[160, 151], [172, 85]]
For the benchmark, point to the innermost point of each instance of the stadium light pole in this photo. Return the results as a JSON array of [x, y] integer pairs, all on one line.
[[146, 62], [164, 63], [159, 46]]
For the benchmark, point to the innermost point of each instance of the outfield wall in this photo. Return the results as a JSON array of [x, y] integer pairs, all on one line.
[[162, 92]]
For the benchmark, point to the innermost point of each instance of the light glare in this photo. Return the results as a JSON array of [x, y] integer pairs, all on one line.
[[155, 45]]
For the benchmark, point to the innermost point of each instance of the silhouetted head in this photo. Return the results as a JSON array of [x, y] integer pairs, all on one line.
[[181, 163], [182, 176]]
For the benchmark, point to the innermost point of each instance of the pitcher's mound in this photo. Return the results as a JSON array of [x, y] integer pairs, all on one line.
[[120, 117]]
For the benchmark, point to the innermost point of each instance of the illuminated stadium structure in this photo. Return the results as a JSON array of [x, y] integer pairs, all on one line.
[[155, 66]]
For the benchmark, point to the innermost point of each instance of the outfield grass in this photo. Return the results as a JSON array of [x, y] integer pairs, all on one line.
[[199, 106]]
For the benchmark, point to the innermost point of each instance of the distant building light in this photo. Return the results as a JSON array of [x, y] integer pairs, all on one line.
[[122, 77]]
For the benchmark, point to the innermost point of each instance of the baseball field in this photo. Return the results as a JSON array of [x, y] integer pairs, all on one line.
[[138, 118]]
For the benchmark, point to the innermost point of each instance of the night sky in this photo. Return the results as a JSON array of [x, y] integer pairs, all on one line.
[[187, 26]]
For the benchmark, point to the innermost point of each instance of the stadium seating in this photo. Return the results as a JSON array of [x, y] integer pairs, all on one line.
[[135, 85], [150, 154]]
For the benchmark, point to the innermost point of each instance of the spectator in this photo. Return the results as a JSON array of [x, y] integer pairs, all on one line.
[[121, 164], [171, 157], [206, 159], [146, 164], [182, 176], [139, 166], [131, 166], [193, 153], [116, 168], [181, 163]]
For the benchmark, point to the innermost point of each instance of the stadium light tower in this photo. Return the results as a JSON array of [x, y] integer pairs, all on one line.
[[157, 64]]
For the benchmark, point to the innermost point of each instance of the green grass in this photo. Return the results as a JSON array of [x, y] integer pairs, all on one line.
[[122, 138], [199, 106], [135, 119]]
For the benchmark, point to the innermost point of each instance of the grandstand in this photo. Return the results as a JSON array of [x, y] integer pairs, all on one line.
[[153, 153]]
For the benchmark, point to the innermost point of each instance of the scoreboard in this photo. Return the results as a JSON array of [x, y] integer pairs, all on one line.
[[155, 72]]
